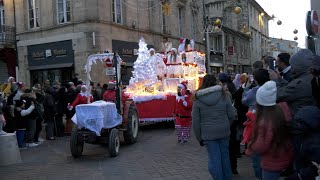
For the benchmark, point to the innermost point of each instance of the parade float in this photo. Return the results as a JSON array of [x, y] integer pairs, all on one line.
[[156, 76]]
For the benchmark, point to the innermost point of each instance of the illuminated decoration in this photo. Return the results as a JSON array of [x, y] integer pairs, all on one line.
[[279, 22], [166, 9], [248, 33], [217, 22], [295, 38], [215, 28], [145, 85], [295, 31], [262, 14], [237, 10]]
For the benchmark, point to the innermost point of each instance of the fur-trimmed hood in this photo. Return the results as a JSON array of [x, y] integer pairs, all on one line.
[[211, 95]]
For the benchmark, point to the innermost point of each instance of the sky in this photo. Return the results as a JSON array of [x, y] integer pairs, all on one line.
[[292, 13]]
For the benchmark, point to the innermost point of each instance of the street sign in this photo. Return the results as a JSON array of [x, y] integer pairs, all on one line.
[[312, 23]]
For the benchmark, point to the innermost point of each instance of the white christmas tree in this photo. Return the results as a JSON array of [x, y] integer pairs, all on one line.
[[144, 73]]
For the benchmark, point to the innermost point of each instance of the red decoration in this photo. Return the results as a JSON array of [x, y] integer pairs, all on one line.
[[108, 62]]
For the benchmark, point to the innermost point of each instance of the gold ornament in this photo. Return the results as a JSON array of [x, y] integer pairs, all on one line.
[[237, 10], [295, 38], [217, 22], [245, 29], [216, 28], [279, 22], [166, 9], [295, 31]]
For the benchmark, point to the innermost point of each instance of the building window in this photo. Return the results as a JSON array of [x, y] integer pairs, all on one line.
[[193, 27], [2, 17], [34, 13], [164, 23], [117, 11], [181, 21], [63, 11], [217, 40]]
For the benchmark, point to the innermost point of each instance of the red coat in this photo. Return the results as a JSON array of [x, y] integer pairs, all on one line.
[[110, 96], [262, 146], [183, 108], [81, 99]]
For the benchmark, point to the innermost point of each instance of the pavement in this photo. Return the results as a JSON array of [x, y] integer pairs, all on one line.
[[156, 156]]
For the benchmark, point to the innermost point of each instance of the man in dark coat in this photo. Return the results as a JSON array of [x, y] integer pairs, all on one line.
[[284, 66]]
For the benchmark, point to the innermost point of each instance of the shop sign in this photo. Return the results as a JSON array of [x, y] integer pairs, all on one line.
[[51, 53], [230, 50]]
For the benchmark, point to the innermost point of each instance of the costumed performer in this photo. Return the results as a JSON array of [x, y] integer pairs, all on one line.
[[183, 108], [158, 64], [166, 45], [81, 98], [110, 94]]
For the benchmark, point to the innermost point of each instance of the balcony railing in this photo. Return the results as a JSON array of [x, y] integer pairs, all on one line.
[[7, 34]]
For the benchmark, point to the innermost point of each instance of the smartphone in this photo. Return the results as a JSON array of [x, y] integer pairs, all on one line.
[[272, 64]]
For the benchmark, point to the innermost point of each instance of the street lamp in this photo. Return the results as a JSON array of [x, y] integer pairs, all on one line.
[[206, 38], [15, 40]]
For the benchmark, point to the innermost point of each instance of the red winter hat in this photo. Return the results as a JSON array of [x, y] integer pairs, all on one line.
[[20, 84], [183, 85], [181, 40]]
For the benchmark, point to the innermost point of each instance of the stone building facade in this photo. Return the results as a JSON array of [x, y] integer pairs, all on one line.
[[243, 38], [278, 46], [55, 37], [7, 42]]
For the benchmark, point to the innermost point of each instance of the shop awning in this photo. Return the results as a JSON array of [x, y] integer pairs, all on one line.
[[51, 66]]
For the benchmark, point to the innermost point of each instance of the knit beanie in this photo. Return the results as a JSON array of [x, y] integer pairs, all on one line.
[[301, 61], [223, 77], [267, 94]]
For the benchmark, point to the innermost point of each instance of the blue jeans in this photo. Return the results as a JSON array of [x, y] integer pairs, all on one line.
[[256, 159], [219, 162], [270, 175]]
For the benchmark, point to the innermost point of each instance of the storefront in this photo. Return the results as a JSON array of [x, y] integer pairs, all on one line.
[[52, 61], [216, 62], [128, 51]]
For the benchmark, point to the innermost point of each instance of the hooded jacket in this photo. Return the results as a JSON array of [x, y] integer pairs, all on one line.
[[212, 114], [298, 93]]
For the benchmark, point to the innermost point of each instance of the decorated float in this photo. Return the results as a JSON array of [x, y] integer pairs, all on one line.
[[156, 76]]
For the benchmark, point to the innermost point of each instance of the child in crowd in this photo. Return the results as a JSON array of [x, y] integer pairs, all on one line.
[[270, 137], [183, 113], [19, 113]]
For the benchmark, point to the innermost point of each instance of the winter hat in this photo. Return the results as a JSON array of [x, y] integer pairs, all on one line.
[[183, 85], [267, 94], [112, 82], [10, 78], [301, 61], [223, 77], [83, 86], [181, 40], [151, 49], [174, 50], [20, 84]]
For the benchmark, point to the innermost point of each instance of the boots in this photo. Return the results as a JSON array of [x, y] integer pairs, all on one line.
[[68, 126]]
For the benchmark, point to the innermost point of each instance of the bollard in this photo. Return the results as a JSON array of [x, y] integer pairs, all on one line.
[[9, 150]]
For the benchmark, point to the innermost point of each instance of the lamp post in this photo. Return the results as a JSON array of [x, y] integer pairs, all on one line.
[[206, 38], [15, 40]]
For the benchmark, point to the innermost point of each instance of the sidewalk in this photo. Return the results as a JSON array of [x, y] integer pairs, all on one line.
[[156, 155]]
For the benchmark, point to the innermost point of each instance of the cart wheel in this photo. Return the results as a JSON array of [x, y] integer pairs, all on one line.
[[114, 142], [76, 146], [131, 134]]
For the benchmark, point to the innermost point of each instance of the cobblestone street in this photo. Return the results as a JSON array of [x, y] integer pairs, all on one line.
[[156, 155]]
